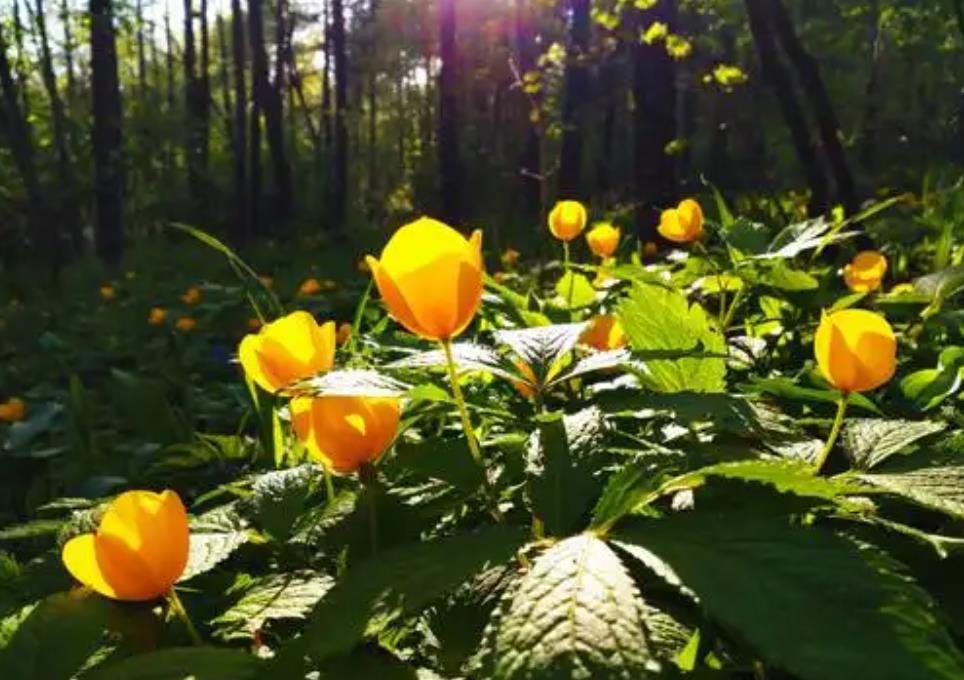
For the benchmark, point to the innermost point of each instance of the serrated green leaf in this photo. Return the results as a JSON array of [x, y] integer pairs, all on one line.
[[187, 663], [278, 497], [941, 285], [215, 535], [854, 612], [938, 488], [541, 347], [269, 598], [437, 458], [33, 529], [348, 383], [577, 614], [660, 319], [870, 441]]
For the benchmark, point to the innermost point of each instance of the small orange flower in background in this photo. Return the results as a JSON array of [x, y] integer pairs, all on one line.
[[254, 323], [682, 224], [430, 278], [185, 324], [567, 220], [603, 239], [856, 350], [138, 552], [344, 433], [266, 281], [865, 272], [191, 296], [13, 410], [310, 287], [107, 292], [157, 316], [363, 266], [500, 277], [509, 258], [344, 333], [524, 388], [650, 249], [289, 349], [604, 333]]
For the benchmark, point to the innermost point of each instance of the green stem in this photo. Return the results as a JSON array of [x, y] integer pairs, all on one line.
[[178, 608], [834, 433], [731, 312], [329, 485], [568, 267], [367, 477], [469, 433]]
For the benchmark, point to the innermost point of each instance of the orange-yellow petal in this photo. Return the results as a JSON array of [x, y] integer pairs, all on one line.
[[79, 555]]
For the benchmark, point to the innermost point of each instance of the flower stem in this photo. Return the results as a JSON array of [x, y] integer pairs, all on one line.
[[731, 312], [469, 433], [178, 608], [567, 262], [366, 474], [834, 433]]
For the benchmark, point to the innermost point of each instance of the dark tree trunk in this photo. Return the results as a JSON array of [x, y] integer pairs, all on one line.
[[450, 167], [574, 96], [778, 79], [204, 92], [239, 141], [719, 155], [326, 79], [192, 110], [169, 58], [339, 199], [613, 95], [531, 179], [107, 139], [66, 19], [297, 90], [259, 82], [808, 71], [141, 52], [868, 131], [69, 210], [654, 123], [224, 80], [273, 106], [20, 65]]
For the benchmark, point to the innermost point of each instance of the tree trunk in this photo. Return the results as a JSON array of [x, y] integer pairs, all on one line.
[[141, 53], [450, 167], [531, 177], [274, 120], [574, 96], [778, 79], [192, 110], [223, 78], [339, 202], [654, 123], [326, 79], [259, 81], [107, 139], [808, 71], [613, 95], [204, 93], [69, 209], [239, 140], [66, 19], [868, 131], [169, 57], [20, 65]]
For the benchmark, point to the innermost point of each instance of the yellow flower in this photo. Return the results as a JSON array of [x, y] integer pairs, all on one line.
[[682, 224], [603, 239], [107, 292], [13, 410], [157, 316], [191, 296], [185, 324], [344, 433], [604, 333], [344, 333], [865, 272], [510, 258], [138, 552], [650, 249], [266, 281], [855, 349], [430, 278], [567, 220], [310, 287], [289, 349]]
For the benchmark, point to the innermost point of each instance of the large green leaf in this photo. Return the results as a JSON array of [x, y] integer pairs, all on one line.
[[278, 497], [215, 535], [187, 663], [575, 614], [660, 319], [541, 347], [56, 638], [396, 582], [938, 488], [842, 610], [870, 441]]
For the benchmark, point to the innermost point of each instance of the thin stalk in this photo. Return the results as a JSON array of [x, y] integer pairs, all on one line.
[[329, 485], [731, 312], [567, 262], [367, 477], [178, 608], [834, 433], [469, 433]]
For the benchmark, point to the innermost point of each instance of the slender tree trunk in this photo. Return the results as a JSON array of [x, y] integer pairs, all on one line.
[[778, 79], [808, 71], [450, 166], [224, 79], [326, 79], [654, 124], [612, 95], [204, 92], [868, 132], [21, 59], [274, 120], [141, 52], [531, 177], [107, 135], [69, 211], [574, 97], [239, 140], [259, 82], [193, 116], [169, 58], [66, 19], [339, 202]]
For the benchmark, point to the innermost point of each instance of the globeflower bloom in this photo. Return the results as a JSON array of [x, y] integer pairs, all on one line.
[[139, 550], [157, 316], [865, 272], [510, 258], [289, 349], [430, 278], [13, 410], [604, 333], [185, 324], [856, 350], [310, 287], [345, 433], [567, 220], [603, 239], [107, 292], [344, 333], [191, 296], [682, 224]]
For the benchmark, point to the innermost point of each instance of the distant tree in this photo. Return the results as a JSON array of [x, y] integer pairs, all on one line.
[[239, 141], [339, 199], [531, 179], [450, 166], [574, 100]]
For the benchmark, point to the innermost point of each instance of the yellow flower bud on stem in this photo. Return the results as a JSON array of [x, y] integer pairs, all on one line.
[[177, 608], [469, 433], [834, 433]]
